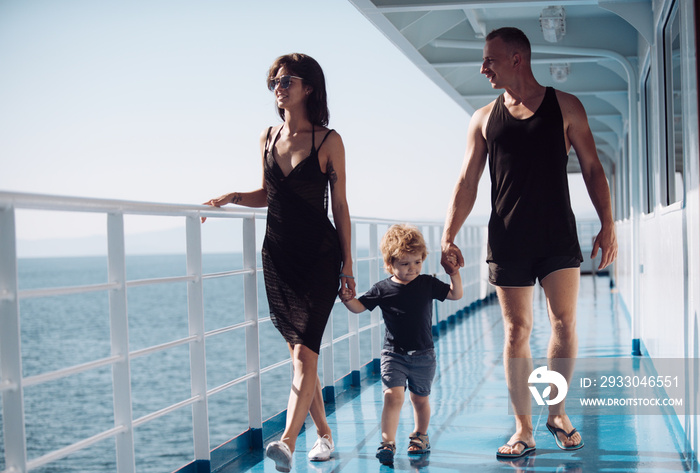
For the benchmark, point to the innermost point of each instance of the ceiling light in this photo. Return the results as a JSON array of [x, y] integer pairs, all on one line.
[[559, 72], [553, 23]]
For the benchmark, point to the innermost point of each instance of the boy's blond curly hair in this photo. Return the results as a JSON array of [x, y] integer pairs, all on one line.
[[400, 240]]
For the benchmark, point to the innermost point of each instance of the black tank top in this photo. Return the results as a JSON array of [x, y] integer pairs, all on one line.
[[531, 214]]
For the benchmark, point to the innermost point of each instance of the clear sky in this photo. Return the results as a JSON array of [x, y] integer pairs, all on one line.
[[164, 101]]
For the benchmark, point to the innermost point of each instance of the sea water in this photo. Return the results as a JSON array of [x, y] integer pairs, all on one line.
[[67, 330]]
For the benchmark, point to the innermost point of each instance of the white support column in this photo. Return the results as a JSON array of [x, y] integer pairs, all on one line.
[[252, 332], [374, 268], [119, 334], [354, 322], [198, 357], [10, 349]]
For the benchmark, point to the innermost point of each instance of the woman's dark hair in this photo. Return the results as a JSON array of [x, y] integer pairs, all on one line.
[[307, 68]]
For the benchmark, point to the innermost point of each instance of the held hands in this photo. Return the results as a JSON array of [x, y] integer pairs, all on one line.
[[452, 258], [347, 286], [346, 294]]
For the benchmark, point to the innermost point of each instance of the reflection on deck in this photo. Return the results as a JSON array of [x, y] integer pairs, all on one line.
[[470, 414]]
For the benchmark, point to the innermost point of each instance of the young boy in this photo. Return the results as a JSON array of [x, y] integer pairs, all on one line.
[[406, 300]]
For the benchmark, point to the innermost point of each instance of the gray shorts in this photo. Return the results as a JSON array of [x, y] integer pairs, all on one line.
[[418, 368]]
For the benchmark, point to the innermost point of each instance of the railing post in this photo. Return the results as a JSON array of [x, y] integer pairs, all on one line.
[[466, 243], [434, 265], [10, 350], [327, 363], [354, 323], [471, 264], [484, 287], [119, 335], [376, 317], [252, 333], [198, 357]]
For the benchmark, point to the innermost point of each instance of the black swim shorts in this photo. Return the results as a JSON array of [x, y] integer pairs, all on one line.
[[523, 273]]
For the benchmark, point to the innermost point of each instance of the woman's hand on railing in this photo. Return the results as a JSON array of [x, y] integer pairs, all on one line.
[[232, 198]]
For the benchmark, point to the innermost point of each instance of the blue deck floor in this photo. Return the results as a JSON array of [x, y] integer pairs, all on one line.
[[470, 416]]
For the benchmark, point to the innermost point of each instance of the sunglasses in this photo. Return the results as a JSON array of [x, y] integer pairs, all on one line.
[[283, 82]]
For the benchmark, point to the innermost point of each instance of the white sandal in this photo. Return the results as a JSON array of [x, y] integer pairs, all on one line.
[[280, 453], [322, 449]]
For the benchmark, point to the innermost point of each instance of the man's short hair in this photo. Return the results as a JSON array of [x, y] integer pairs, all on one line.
[[514, 38]]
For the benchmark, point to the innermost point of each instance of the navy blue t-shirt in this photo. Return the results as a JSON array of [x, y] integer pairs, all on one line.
[[407, 310]]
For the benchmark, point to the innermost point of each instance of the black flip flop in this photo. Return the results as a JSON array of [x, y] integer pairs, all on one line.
[[509, 456], [560, 444]]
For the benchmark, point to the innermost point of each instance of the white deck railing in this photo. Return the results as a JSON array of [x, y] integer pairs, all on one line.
[[12, 382]]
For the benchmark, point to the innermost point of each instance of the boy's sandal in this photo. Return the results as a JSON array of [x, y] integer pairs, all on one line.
[[418, 443], [385, 453]]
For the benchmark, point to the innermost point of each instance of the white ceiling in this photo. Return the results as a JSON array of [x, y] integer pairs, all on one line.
[[445, 40]]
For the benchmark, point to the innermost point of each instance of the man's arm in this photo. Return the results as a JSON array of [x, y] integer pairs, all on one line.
[[580, 136], [465, 191]]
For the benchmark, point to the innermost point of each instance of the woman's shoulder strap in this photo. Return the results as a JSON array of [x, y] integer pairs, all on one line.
[[267, 139], [324, 138], [270, 141]]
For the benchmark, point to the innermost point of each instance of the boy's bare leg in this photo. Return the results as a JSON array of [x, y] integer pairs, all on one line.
[[391, 412], [421, 416], [421, 412]]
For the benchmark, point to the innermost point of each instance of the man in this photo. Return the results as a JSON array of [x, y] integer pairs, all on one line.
[[527, 133]]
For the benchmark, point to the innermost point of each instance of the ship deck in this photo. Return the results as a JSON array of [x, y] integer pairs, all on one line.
[[470, 418]]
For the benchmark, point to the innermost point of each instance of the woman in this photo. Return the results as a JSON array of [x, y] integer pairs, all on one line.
[[303, 254]]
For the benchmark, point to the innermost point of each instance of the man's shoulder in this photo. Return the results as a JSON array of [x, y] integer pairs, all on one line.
[[572, 110], [482, 114], [479, 121], [567, 101]]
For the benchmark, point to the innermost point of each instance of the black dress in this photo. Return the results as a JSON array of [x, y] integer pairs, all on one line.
[[301, 253]]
